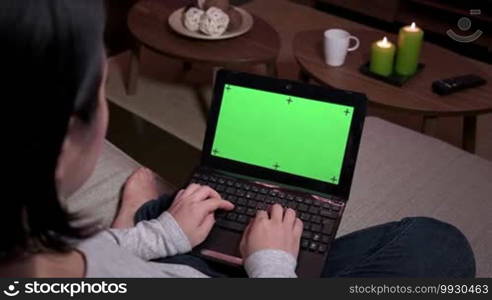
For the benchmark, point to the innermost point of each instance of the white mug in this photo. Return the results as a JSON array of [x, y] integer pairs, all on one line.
[[337, 45]]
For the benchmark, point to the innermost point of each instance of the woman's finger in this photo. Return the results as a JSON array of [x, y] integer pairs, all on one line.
[[298, 226], [244, 238], [179, 194], [190, 189], [261, 214], [247, 230], [204, 193], [277, 213], [289, 217], [213, 204]]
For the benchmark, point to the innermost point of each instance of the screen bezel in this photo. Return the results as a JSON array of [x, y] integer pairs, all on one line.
[[296, 89]]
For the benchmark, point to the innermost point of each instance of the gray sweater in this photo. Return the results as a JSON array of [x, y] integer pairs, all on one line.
[[126, 253]]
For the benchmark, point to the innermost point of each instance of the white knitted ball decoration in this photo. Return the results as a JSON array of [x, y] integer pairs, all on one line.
[[214, 22], [192, 18]]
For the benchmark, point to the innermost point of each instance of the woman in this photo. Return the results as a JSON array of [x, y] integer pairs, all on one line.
[[56, 73]]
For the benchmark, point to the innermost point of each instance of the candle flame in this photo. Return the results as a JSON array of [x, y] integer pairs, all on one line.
[[413, 27], [384, 43]]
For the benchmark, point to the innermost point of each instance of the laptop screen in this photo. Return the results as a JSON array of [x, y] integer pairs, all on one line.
[[294, 135]]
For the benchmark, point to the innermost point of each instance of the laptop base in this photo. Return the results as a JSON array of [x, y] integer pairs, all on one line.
[[321, 220]]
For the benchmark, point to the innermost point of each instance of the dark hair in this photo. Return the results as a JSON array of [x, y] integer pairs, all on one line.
[[52, 53]]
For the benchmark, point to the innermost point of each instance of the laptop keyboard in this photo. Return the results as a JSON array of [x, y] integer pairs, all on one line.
[[319, 217]]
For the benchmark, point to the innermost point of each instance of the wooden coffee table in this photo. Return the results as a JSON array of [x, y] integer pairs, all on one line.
[[148, 22], [415, 96]]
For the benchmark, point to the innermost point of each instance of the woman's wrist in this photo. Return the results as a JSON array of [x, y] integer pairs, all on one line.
[[270, 263], [176, 234]]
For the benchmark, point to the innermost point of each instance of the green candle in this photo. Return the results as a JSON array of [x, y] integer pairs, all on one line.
[[409, 45], [382, 57]]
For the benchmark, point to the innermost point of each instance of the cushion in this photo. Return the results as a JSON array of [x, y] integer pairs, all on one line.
[[97, 201], [402, 173]]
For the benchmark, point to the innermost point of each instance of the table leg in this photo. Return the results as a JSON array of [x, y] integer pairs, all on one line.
[[429, 125], [139, 125], [187, 66], [214, 71], [200, 95], [303, 76], [133, 70], [271, 69], [469, 133]]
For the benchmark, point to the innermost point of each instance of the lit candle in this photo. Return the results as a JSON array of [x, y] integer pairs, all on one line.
[[382, 57], [409, 44]]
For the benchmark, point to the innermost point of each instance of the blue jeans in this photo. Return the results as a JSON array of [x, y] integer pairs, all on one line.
[[412, 247]]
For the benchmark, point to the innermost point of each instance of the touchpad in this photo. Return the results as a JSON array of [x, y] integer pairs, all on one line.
[[222, 245]]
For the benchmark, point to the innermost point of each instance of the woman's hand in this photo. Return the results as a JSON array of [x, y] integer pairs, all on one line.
[[281, 230], [193, 209]]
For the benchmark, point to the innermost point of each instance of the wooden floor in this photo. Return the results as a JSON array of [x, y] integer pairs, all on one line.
[[164, 153]]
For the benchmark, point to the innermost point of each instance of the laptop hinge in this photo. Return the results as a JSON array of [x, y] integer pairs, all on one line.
[[271, 184]]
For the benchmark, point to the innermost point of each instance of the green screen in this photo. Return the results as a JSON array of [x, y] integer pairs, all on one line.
[[280, 132]]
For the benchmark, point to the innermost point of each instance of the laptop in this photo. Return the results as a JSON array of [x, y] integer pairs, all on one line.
[[277, 141]]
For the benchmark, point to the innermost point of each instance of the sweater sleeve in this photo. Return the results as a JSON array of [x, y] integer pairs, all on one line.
[[270, 263], [153, 239]]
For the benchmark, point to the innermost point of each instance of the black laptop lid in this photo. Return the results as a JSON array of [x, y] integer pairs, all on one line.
[[283, 131]]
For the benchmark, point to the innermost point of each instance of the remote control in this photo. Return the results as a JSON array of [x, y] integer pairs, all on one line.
[[451, 85]]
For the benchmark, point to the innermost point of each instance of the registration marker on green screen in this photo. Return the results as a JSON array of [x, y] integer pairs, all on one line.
[[290, 134]]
